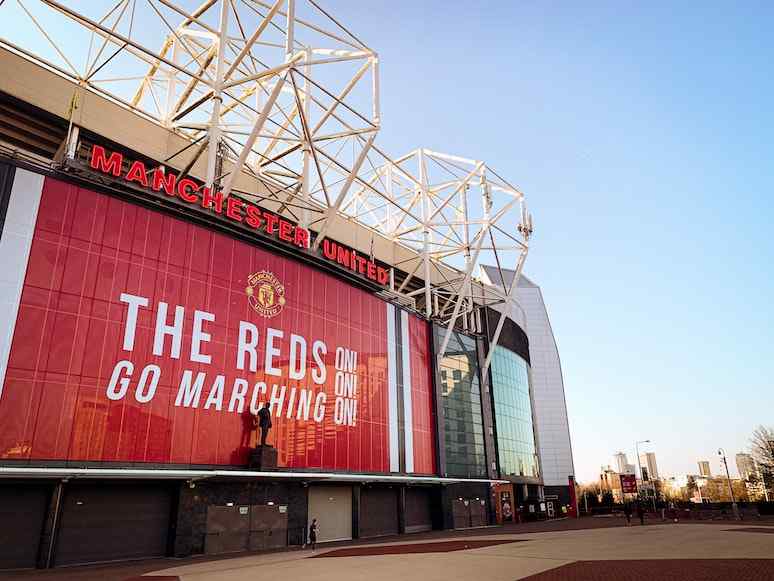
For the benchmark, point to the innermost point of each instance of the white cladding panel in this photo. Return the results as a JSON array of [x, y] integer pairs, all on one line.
[[553, 431], [15, 243]]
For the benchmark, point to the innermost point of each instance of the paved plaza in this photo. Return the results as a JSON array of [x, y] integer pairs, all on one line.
[[604, 550], [668, 551]]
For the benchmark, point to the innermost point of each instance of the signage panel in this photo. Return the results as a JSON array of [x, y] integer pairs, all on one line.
[[144, 338], [629, 483]]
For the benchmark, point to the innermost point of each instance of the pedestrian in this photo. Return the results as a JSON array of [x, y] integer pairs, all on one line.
[[673, 511], [628, 513], [641, 513], [313, 530]]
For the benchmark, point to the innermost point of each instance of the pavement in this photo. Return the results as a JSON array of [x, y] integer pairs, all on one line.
[[603, 550]]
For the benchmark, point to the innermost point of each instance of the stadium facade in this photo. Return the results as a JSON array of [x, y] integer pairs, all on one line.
[[160, 286]]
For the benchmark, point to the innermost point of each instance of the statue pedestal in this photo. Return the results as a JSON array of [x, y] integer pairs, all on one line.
[[263, 458]]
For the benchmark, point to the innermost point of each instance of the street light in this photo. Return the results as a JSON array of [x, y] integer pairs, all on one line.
[[637, 451], [639, 467], [734, 507]]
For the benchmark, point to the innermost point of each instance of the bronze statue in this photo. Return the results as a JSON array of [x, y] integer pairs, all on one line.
[[262, 457], [264, 422]]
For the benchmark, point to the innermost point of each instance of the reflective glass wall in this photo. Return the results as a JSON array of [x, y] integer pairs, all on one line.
[[513, 415], [460, 404]]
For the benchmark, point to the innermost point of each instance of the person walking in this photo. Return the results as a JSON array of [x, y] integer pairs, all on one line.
[[641, 513], [313, 529], [628, 513]]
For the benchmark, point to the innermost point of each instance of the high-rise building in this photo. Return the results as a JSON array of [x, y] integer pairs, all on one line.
[[648, 465], [621, 463], [746, 466], [704, 468], [552, 429]]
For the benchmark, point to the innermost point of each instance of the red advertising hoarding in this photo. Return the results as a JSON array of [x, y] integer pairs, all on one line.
[[629, 483], [144, 338]]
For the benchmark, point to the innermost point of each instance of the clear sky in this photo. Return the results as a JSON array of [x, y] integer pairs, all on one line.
[[643, 136]]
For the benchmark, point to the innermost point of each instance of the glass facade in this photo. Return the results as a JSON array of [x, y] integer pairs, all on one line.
[[461, 407], [513, 415]]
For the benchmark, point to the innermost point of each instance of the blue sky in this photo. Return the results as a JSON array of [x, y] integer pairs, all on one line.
[[642, 136]]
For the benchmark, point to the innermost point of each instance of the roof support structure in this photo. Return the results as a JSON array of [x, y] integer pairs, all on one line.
[[278, 101]]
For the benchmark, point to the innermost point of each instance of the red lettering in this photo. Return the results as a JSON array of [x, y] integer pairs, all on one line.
[[371, 271], [343, 256], [329, 249], [137, 173], [361, 262], [234, 208], [253, 216], [99, 161], [271, 222], [353, 261], [167, 181], [382, 275], [285, 229], [208, 199], [183, 187], [302, 237]]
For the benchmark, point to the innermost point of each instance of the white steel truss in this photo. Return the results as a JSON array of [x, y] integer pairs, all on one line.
[[456, 214], [282, 92]]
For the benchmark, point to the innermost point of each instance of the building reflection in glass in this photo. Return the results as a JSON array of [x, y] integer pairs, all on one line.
[[461, 408], [513, 415]]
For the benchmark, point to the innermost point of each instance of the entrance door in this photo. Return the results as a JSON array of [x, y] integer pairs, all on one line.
[[241, 527], [461, 513], [478, 513], [110, 522], [470, 512], [22, 512], [332, 507], [268, 526], [228, 529]]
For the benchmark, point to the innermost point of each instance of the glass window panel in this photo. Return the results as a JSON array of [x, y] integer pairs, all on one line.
[[513, 414]]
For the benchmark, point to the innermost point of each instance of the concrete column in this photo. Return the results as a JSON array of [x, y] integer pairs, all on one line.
[[447, 507], [402, 510], [356, 511], [51, 527]]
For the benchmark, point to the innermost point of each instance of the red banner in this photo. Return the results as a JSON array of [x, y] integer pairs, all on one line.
[[144, 338], [629, 483]]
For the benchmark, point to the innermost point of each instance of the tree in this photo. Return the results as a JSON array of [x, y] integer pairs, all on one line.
[[762, 451], [762, 447], [691, 487]]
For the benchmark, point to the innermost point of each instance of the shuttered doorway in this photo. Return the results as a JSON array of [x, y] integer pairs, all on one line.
[[419, 509], [111, 522], [332, 507], [378, 511], [22, 512]]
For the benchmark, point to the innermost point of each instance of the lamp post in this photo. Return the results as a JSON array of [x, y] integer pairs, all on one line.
[[734, 507], [637, 452], [639, 466]]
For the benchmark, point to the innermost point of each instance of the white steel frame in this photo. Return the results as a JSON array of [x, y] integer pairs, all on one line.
[[250, 85]]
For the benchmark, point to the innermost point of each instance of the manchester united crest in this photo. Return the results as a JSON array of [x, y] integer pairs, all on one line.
[[265, 293]]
